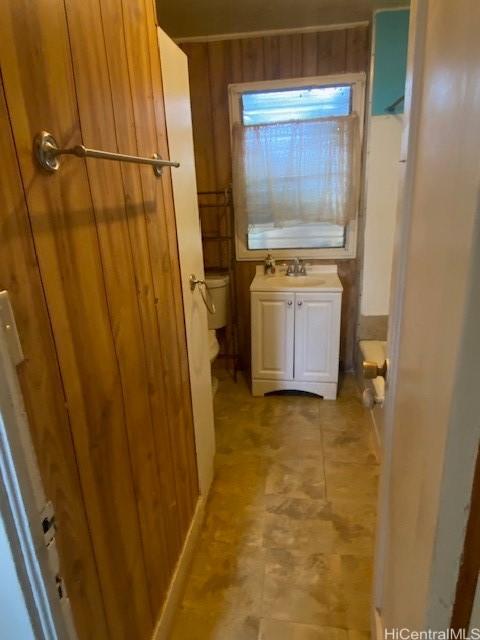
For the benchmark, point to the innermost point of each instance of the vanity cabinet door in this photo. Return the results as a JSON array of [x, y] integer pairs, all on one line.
[[317, 336], [273, 321]]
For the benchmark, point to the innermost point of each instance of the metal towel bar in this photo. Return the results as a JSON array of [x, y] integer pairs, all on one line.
[[47, 153]]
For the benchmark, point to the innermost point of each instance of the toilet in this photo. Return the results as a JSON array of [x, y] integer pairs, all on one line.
[[218, 287]]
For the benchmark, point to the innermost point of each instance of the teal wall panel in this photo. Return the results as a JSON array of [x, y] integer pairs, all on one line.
[[390, 64]]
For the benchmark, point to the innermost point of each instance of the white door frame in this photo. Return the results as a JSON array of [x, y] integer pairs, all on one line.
[[414, 80], [458, 455], [22, 508]]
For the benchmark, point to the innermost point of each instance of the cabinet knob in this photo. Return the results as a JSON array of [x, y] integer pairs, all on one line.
[[289, 303], [300, 302]]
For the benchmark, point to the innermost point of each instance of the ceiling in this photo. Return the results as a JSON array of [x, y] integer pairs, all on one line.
[[187, 18]]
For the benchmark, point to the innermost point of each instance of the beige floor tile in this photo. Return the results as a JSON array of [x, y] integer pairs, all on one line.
[[234, 519], [304, 588], [242, 434], [222, 625], [241, 475], [349, 481], [281, 630], [224, 575], [354, 523], [345, 419], [296, 478], [353, 445], [285, 550], [294, 445], [357, 585], [298, 524]]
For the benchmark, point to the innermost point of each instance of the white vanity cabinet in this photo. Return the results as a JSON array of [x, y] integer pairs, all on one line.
[[273, 326], [295, 334]]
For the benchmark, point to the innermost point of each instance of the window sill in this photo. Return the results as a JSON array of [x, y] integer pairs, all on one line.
[[348, 252]]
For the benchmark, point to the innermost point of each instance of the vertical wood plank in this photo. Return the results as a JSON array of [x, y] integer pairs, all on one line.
[[358, 49], [137, 218], [105, 239], [220, 73], [98, 126], [272, 66], [67, 247], [43, 394], [291, 56], [164, 261], [309, 54], [252, 59], [245, 272], [236, 51], [331, 52], [199, 72], [297, 55]]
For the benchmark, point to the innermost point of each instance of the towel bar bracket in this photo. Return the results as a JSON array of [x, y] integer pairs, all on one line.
[[47, 153]]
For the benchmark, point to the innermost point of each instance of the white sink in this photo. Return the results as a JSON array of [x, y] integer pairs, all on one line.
[[297, 281], [320, 278]]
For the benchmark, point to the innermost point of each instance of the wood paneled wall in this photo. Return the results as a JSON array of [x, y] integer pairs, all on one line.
[[89, 256], [215, 65]]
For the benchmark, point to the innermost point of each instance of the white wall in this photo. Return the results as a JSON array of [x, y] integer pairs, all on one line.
[[14, 617], [382, 175]]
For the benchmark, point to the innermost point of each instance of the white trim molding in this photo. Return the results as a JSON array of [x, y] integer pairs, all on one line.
[[272, 32], [173, 599]]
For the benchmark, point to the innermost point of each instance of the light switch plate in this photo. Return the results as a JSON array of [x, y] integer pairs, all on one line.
[[7, 322]]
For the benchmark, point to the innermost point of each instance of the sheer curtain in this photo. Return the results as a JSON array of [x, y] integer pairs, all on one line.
[[297, 172]]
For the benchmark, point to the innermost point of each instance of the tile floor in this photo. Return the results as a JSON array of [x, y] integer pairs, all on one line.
[[286, 547]]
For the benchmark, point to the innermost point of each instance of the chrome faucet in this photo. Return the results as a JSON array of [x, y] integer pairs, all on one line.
[[298, 268]]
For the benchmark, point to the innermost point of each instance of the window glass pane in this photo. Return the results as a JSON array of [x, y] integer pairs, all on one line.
[[301, 236], [305, 103]]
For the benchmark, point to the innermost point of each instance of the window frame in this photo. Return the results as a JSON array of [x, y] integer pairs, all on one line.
[[235, 92]]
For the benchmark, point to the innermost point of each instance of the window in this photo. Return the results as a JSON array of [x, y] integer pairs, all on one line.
[[296, 147], [306, 103]]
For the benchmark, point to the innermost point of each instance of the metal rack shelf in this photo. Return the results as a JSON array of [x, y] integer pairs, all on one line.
[[217, 224]]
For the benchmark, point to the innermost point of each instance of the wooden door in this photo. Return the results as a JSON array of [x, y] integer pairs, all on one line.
[[317, 335], [89, 256], [432, 403], [273, 319]]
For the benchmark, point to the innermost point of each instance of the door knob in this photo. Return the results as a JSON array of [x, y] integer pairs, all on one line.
[[289, 303], [299, 303], [372, 370]]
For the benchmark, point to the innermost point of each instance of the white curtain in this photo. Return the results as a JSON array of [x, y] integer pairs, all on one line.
[[297, 172]]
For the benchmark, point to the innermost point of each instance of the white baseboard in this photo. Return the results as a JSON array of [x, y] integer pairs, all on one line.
[[377, 625], [175, 591], [376, 436]]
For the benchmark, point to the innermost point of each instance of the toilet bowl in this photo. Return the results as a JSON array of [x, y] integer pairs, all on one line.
[[213, 346], [218, 288]]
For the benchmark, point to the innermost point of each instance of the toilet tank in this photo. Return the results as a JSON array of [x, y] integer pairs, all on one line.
[[218, 285]]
